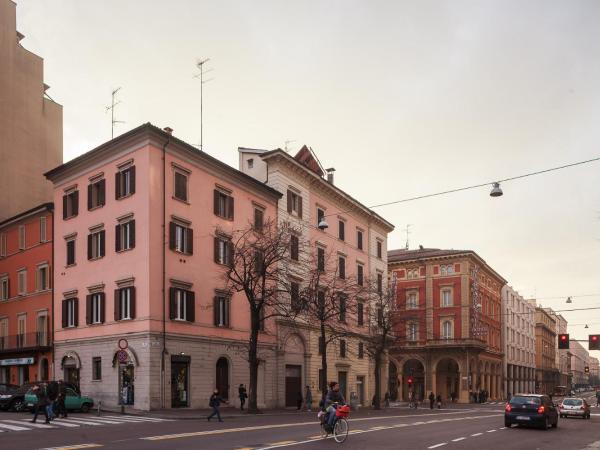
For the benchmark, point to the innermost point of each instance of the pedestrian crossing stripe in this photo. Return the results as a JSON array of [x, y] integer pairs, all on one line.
[[13, 427], [73, 422], [73, 447]]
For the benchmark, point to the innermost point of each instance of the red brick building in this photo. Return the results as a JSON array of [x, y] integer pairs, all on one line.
[[26, 296], [448, 328]]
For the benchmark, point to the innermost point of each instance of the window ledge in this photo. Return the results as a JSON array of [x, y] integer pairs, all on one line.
[[180, 200], [96, 258], [93, 208], [123, 250], [122, 197]]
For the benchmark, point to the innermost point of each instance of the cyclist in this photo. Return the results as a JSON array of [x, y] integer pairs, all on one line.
[[332, 400]]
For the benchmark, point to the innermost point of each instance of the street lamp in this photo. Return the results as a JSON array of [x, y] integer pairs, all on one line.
[[569, 300], [496, 190], [323, 225]]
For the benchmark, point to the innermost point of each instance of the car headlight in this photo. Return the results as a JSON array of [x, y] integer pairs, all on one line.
[[5, 396]]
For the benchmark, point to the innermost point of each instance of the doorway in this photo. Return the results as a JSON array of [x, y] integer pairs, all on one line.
[[71, 371], [293, 384], [360, 388], [126, 384], [222, 378], [343, 381], [180, 367]]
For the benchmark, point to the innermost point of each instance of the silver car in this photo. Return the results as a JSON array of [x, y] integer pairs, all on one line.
[[574, 407]]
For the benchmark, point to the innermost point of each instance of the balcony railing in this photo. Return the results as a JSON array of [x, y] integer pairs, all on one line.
[[406, 343], [25, 341]]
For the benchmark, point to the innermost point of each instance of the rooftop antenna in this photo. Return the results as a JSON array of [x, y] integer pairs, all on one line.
[[200, 65], [111, 108], [407, 231], [289, 141]]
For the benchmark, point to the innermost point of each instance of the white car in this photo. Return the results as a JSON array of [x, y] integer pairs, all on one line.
[[577, 407]]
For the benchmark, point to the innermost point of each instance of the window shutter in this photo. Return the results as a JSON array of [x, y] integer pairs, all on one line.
[[132, 299], [299, 206], [189, 241], [172, 303], [289, 201], [132, 233], [230, 207], [216, 311], [117, 305], [216, 249], [76, 311], [64, 313], [172, 235], [102, 242], [75, 203], [88, 309], [70, 252], [102, 192], [89, 239], [216, 202], [102, 306], [118, 185], [132, 180], [230, 254], [226, 311], [191, 306], [90, 188], [65, 197], [117, 237]]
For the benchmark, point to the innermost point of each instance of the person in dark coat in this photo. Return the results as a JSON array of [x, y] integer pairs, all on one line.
[[438, 399], [42, 402], [243, 395], [431, 400], [215, 402], [60, 400], [308, 398]]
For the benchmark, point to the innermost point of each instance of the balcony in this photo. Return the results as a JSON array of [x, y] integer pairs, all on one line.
[[441, 343], [36, 341]]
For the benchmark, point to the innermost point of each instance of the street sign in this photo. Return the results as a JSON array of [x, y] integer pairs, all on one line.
[[122, 357], [123, 344]]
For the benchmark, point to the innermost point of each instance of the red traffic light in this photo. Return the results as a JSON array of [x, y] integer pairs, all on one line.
[[410, 380], [594, 342], [563, 341]]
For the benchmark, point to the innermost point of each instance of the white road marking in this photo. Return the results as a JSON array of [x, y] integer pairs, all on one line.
[[491, 431], [458, 439], [60, 423], [476, 434], [438, 445], [14, 427], [29, 424], [81, 422]]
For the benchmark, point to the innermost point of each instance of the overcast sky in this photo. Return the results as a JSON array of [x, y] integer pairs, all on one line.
[[402, 98]]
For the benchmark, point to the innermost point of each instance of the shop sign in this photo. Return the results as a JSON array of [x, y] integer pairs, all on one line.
[[16, 361]]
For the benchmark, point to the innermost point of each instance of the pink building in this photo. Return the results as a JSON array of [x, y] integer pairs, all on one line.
[[136, 269]]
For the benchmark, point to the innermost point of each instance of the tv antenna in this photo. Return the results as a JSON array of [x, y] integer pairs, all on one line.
[[200, 65], [287, 143], [111, 108], [407, 231]]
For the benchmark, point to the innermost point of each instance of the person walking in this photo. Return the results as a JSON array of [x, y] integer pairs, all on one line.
[[439, 401], [60, 400], [215, 402], [597, 398], [386, 398], [299, 400], [243, 396], [431, 400], [42, 402], [52, 391], [308, 399]]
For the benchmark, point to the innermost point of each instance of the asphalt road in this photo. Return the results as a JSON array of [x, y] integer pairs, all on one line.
[[474, 427]]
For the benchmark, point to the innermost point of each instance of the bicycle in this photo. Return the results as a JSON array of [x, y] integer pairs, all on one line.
[[340, 425]]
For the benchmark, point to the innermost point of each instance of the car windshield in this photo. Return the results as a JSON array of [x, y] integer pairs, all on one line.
[[572, 402], [525, 401]]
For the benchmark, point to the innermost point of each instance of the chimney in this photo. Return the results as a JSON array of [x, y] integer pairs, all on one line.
[[330, 174], [168, 130]]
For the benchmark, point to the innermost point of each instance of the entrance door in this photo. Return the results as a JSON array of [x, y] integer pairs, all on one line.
[[360, 387], [222, 379], [293, 384], [126, 384], [179, 384], [343, 380]]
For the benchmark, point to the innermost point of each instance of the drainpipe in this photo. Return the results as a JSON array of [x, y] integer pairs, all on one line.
[[52, 294], [164, 272]]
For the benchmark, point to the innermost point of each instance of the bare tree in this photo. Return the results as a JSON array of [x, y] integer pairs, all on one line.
[[258, 266]]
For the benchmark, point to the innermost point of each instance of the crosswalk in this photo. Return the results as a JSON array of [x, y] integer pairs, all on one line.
[[72, 421]]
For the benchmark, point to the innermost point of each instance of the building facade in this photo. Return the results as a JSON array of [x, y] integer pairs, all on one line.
[[547, 374], [594, 366], [26, 296], [30, 123], [519, 343], [449, 333], [579, 361], [141, 316], [563, 356], [356, 238]]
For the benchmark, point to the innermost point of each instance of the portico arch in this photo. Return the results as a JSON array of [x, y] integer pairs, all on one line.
[[447, 378]]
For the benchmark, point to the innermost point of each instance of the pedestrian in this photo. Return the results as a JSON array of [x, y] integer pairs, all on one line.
[[431, 400], [452, 396], [308, 398], [299, 400], [243, 396], [386, 398], [597, 398], [42, 402], [60, 401], [439, 401], [215, 402], [52, 390]]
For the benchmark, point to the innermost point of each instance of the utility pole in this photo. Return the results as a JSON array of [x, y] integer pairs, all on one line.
[[111, 108], [407, 231], [200, 66]]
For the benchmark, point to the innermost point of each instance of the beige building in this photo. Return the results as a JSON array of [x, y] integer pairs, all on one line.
[[579, 360], [30, 122], [547, 375], [594, 365]]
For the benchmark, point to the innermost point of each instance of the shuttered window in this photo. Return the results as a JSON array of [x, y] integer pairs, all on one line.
[[294, 203], [181, 238], [182, 305], [124, 303], [70, 252], [70, 312], [223, 249], [221, 311], [181, 186], [125, 236], [96, 194], [96, 248], [223, 205], [125, 182], [70, 204], [294, 247], [94, 308]]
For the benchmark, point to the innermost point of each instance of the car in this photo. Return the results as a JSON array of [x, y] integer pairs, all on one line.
[[574, 406], [531, 409], [12, 396], [73, 400]]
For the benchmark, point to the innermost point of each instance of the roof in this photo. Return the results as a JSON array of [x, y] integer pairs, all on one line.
[[308, 158], [150, 128], [44, 206], [251, 150]]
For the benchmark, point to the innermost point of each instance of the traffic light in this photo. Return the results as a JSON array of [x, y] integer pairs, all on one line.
[[410, 381], [594, 342], [563, 341], [587, 369]]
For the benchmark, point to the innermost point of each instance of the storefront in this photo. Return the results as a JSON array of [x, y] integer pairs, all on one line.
[[180, 381], [16, 370]]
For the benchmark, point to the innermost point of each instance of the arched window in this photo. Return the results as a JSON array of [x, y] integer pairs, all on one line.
[[447, 329], [222, 378]]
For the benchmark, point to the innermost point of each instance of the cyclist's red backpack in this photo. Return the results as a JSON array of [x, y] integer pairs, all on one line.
[[342, 411]]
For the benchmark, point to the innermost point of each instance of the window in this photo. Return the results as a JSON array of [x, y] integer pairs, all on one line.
[[342, 230], [361, 350], [4, 289], [360, 314], [320, 259], [22, 241], [250, 163], [42, 278], [342, 267], [295, 297], [94, 308], [181, 186], [379, 249], [42, 330], [259, 214], [379, 283], [447, 329], [96, 194], [320, 215], [22, 282], [221, 312], [125, 236], [259, 261], [3, 334], [380, 317], [71, 252], [70, 204], [359, 239], [412, 273], [342, 348], [412, 332], [411, 300], [2, 244], [294, 203], [223, 251], [70, 312], [360, 274], [21, 330], [43, 229], [223, 205], [96, 245], [447, 269], [125, 182], [125, 303], [343, 307], [183, 305], [446, 298], [294, 247], [181, 238], [96, 368]]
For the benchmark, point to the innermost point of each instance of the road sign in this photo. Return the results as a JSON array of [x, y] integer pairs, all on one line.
[[123, 344], [122, 357]]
